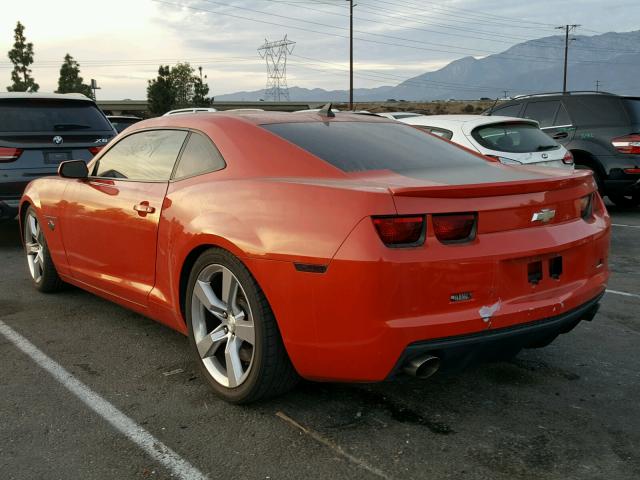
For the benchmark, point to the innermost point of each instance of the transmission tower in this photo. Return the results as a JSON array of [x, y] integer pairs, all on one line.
[[275, 54]]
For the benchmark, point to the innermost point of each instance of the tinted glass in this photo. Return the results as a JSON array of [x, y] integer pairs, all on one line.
[[361, 146], [440, 132], [199, 156], [509, 111], [589, 110], [50, 116], [513, 137], [121, 124], [633, 106], [142, 156], [543, 112], [563, 117]]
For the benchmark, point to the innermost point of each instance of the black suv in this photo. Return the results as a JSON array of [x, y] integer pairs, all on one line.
[[37, 132], [600, 129]]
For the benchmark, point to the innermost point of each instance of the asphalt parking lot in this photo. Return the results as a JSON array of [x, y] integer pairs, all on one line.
[[570, 410]]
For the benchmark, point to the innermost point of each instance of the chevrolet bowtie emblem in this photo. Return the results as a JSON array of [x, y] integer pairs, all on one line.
[[545, 215]]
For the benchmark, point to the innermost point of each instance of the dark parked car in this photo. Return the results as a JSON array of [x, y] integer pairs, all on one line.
[[38, 131], [601, 129], [120, 122]]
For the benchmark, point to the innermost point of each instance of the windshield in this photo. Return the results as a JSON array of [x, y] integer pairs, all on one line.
[[362, 146], [513, 137], [26, 115]]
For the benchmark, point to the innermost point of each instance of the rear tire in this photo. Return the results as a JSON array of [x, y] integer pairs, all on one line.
[[233, 332], [42, 271], [625, 201]]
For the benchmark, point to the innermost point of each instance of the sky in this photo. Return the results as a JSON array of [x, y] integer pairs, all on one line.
[[120, 43]]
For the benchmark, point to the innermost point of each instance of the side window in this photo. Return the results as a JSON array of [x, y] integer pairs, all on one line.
[[508, 111], [563, 117], [199, 156], [543, 112], [144, 156]]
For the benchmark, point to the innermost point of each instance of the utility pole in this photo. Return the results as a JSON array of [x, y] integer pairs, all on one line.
[[598, 83], [94, 87], [505, 93], [351, 5], [567, 29]]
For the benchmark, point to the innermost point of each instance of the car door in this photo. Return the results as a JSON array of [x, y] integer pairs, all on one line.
[[553, 118], [110, 220]]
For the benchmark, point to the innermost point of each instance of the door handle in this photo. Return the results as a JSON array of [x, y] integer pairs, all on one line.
[[560, 135], [143, 208]]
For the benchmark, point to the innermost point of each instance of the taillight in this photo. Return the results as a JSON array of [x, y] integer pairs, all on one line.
[[455, 227], [586, 207], [95, 150], [400, 231], [628, 144], [632, 171], [568, 158], [8, 154]]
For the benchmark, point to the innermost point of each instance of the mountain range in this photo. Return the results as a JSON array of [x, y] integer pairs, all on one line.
[[533, 66]]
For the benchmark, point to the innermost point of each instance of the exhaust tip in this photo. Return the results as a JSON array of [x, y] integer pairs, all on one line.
[[422, 367]]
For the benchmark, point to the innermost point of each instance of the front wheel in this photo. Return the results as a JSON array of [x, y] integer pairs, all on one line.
[[41, 268], [233, 331]]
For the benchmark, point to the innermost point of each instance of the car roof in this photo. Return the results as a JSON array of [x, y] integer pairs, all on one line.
[[200, 121], [457, 121], [44, 96], [123, 117]]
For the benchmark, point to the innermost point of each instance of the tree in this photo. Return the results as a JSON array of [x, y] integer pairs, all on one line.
[[201, 91], [70, 80], [160, 92], [21, 55], [183, 79]]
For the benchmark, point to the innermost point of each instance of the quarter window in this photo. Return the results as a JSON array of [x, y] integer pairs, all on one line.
[[199, 156], [143, 156]]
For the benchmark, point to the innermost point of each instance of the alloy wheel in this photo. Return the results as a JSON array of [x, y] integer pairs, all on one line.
[[223, 326], [34, 247]]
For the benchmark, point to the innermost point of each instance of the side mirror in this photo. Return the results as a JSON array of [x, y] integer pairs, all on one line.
[[73, 169]]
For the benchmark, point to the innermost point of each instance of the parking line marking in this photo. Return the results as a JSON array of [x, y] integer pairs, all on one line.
[[622, 225], [333, 446], [157, 450], [624, 294]]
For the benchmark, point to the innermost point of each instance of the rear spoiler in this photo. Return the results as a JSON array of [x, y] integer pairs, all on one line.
[[475, 190]]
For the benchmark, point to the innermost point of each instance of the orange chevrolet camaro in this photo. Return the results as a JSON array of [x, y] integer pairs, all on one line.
[[334, 247]]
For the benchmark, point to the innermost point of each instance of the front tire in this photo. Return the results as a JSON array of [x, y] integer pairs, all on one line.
[[41, 268], [233, 331]]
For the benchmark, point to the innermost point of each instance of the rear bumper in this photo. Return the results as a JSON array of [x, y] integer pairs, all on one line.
[[466, 350]]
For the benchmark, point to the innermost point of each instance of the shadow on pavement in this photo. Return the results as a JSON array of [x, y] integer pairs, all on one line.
[[9, 234]]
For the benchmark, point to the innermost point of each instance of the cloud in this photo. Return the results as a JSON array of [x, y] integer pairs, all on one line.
[[121, 46]]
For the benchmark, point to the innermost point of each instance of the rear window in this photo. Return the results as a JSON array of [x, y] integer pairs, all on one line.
[[362, 146], [513, 137], [50, 116]]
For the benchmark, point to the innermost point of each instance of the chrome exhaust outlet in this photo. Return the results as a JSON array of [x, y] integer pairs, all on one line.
[[422, 367]]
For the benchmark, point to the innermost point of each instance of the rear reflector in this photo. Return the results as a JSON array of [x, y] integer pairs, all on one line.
[[454, 228], [8, 154], [628, 144], [568, 158], [398, 231], [95, 150]]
